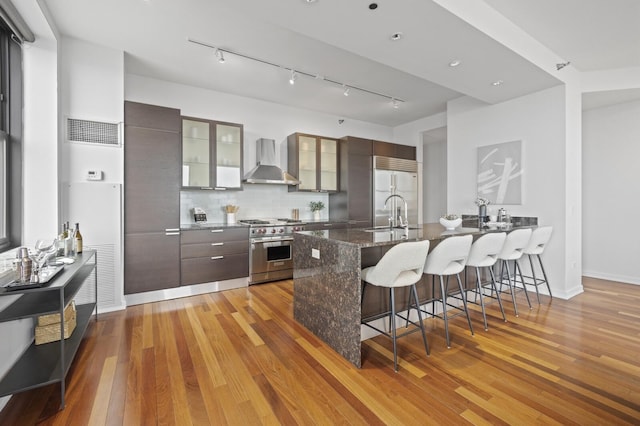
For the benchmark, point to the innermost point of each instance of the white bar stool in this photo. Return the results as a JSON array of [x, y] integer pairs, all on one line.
[[401, 266], [537, 243], [484, 254], [448, 258], [515, 242]]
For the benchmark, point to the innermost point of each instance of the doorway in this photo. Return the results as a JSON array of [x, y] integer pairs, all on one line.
[[434, 175]]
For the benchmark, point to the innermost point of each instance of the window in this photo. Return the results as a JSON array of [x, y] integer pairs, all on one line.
[[10, 139]]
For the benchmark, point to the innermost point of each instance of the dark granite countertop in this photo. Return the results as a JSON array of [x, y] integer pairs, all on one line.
[[209, 225], [363, 238]]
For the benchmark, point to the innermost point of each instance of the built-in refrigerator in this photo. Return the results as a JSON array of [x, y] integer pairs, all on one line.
[[394, 176]]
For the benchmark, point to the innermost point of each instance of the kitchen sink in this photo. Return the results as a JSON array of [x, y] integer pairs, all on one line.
[[386, 228]]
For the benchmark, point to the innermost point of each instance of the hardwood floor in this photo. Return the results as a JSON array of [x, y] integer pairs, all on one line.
[[238, 357]]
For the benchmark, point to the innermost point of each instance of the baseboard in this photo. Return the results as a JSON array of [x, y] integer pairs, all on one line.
[[184, 291], [612, 277]]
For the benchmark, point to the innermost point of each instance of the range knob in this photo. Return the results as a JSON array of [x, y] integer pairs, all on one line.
[[281, 230], [273, 230]]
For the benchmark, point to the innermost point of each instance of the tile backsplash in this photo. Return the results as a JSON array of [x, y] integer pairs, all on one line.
[[255, 201]]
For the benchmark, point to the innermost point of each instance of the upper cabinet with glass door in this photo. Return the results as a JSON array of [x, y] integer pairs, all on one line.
[[314, 161], [211, 154]]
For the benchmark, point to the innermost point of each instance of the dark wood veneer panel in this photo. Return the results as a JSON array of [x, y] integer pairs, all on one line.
[[152, 117], [207, 236], [152, 180], [152, 262], [205, 269]]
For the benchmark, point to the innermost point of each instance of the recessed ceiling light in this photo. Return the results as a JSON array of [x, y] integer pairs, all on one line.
[[497, 83], [373, 6], [396, 36], [455, 63], [311, 1]]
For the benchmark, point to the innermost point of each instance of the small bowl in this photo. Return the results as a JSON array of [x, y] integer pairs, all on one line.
[[450, 225]]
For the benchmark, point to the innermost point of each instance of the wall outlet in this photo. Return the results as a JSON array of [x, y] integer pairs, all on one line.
[[315, 253]]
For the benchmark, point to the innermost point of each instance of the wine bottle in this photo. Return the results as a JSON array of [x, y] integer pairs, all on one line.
[[60, 240], [68, 242], [78, 239]]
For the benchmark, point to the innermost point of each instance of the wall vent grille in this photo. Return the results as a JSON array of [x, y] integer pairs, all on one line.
[[107, 273], [93, 132]]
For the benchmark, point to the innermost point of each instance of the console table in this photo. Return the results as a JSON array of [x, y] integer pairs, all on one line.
[[48, 363]]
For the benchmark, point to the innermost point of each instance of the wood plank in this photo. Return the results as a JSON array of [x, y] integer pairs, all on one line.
[[239, 357]]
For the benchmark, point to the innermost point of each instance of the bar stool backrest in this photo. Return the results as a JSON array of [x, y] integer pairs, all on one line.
[[484, 251], [449, 256], [539, 239], [400, 266], [515, 242]]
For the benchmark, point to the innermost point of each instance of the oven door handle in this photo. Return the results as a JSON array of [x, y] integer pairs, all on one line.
[[261, 241]]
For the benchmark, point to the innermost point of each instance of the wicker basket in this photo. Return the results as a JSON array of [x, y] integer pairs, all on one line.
[[48, 328]]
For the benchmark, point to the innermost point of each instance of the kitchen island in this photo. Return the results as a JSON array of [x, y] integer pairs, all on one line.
[[327, 283]]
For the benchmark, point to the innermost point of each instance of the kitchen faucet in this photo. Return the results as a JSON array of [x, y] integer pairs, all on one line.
[[406, 220]]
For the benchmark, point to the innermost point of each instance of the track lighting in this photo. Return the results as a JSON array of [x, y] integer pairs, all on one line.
[[219, 54], [562, 65]]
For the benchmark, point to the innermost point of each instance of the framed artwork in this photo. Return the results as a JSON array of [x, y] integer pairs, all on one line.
[[500, 172]]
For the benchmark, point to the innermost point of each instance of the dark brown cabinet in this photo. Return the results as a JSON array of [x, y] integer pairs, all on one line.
[[353, 203], [152, 261], [388, 149], [211, 154], [215, 254], [314, 161], [151, 197]]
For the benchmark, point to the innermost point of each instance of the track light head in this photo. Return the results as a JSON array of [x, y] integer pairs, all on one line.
[[294, 76], [346, 90], [562, 65], [394, 103], [218, 54]]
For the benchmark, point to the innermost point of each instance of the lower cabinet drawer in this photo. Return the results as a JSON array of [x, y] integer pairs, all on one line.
[[215, 268], [220, 248]]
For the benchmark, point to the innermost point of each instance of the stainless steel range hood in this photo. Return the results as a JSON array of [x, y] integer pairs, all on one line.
[[266, 171]]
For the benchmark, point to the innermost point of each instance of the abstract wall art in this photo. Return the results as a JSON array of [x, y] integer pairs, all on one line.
[[500, 172]]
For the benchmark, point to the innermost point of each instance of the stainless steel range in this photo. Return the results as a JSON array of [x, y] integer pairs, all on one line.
[[270, 256]]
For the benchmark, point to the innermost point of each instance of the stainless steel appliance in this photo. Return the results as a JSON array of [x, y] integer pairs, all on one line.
[[267, 171], [394, 176], [270, 256]]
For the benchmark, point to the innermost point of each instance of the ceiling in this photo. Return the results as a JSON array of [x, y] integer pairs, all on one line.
[[342, 41]]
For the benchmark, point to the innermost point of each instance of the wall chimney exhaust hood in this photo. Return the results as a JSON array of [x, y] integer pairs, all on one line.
[[266, 171]]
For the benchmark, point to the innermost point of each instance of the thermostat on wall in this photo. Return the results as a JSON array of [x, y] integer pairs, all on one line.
[[94, 175]]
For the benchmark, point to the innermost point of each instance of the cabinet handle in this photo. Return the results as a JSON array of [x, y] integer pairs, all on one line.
[[171, 233], [217, 188], [217, 244], [206, 187], [328, 224], [172, 230], [217, 257], [217, 230]]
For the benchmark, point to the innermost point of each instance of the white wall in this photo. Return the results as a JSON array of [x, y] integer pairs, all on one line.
[[539, 121], [611, 150], [92, 88], [260, 120]]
